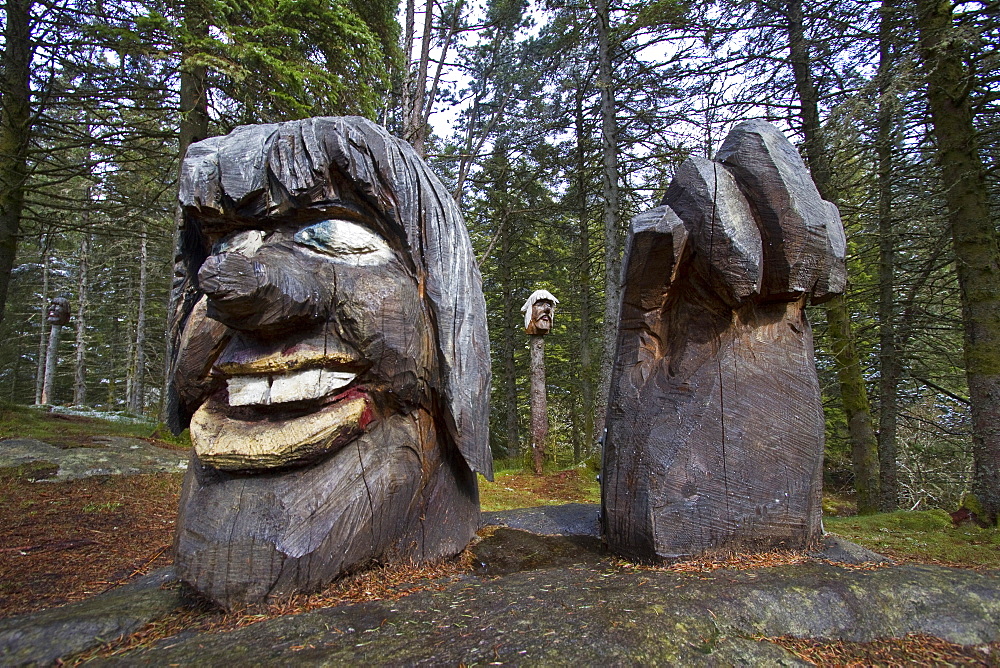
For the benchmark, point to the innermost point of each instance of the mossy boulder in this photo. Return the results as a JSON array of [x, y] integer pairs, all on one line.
[[602, 613]]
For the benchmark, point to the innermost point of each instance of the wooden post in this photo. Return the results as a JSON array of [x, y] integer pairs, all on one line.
[[539, 405], [538, 312], [58, 315]]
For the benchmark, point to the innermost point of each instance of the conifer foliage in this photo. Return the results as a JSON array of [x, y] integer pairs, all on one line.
[[552, 124]]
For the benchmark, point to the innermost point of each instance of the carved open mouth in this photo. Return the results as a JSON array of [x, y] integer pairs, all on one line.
[[273, 389], [276, 420]]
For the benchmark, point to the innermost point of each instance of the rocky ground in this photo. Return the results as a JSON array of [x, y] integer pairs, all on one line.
[[538, 588]]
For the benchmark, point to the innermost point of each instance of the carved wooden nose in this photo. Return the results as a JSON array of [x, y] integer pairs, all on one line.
[[255, 293], [228, 278]]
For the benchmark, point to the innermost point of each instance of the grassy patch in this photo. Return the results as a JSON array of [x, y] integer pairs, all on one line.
[[838, 505], [927, 536], [78, 431], [522, 489]]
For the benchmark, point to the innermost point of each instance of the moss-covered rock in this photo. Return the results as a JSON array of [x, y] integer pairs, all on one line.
[[600, 613], [42, 637]]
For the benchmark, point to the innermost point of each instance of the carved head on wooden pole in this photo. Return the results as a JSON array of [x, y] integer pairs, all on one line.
[[59, 312], [538, 311], [333, 359]]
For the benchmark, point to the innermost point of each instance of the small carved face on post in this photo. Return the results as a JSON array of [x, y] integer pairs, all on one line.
[[541, 316], [59, 312], [333, 359], [538, 312]]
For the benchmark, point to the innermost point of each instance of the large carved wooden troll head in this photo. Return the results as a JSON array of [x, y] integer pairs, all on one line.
[[332, 359]]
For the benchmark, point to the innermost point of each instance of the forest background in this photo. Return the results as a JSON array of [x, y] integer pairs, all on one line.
[[552, 124]]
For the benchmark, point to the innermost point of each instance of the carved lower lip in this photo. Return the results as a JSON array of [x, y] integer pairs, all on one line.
[[251, 439]]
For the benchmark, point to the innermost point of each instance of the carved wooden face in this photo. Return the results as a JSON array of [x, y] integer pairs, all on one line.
[[326, 333], [58, 313], [541, 317]]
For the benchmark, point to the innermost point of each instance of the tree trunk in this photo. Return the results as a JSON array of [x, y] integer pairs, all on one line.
[[510, 317], [974, 235], [409, 77], [43, 329], [609, 191], [864, 456], [137, 393], [583, 281], [15, 119], [854, 395], [416, 130], [539, 404], [80, 366], [193, 128], [888, 355]]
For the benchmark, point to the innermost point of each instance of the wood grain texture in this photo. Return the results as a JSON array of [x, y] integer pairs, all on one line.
[[804, 239], [539, 401], [251, 537], [715, 427], [334, 354], [230, 179]]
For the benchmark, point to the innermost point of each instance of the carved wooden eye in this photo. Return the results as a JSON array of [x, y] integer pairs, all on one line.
[[245, 243], [345, 242]]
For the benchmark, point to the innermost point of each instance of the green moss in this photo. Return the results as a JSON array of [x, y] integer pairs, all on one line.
[[838, 505], [971, 503], [927, 534]]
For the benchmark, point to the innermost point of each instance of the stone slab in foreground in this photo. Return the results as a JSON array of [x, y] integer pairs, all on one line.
[[39, 638], [601, 614]]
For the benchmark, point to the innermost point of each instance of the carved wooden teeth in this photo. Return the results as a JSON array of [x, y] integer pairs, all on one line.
[[265, 390]]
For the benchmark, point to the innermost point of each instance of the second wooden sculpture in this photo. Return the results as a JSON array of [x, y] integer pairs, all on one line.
[[715, 428]]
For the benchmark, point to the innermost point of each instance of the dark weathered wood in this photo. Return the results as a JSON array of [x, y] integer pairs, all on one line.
[[715, 427], [335, 366]]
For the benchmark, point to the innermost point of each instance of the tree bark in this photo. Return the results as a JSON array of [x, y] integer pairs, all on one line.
[[193, 128], [137, 387], [416, 130], [610, 195], [43, 331], [974, 235], [15, 120], [539, 404], [409, 76], [854, 397], [583, 282], [852, 386], [510, 316], [888, 354], [80, 362]]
